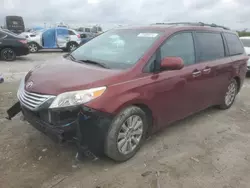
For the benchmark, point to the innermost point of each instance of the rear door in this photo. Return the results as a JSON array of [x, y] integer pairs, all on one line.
[[49, 39], [213, 64], [62, 37]]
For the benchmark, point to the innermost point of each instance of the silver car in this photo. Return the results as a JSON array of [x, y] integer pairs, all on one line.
[[246, 43], [53, 38]]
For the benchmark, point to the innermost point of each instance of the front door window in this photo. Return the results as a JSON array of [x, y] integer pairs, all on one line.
[[180, 45]]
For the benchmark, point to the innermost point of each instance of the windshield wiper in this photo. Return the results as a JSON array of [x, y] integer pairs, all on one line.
[[95, 63], [72, 57]]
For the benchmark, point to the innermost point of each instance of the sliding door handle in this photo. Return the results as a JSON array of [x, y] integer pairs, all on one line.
[[196, 73]]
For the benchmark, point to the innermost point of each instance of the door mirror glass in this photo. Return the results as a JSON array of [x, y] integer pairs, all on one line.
[[172, 63]]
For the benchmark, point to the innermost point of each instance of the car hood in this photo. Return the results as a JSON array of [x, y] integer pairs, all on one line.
[[66, 75]]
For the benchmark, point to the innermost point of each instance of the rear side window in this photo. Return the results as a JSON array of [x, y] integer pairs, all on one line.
[[87, 30], [180, 45], [234, 45], [2, 34], [210, 46], [246, 42], [71, 32]]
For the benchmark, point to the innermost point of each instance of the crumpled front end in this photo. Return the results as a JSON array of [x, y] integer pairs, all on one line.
[[82, 124]]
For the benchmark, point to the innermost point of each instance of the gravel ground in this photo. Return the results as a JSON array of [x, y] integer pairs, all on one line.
[[209, 149]]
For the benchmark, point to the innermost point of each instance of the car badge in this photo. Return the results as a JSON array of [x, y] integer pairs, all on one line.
[[29, 85]]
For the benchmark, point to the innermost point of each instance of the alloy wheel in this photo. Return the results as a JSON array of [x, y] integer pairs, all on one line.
[[72, 47], [130, 134], [230, 94], [8, 54], [33, 48]]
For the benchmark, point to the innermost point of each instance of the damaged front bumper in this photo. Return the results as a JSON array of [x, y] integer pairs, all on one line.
[[85, 126]]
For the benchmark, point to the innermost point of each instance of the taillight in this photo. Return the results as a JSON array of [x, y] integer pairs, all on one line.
[[23, 41], [78, 36]]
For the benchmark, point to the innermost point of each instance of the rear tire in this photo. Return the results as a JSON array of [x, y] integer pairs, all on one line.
[[230, 95], [126, 134], [71, 46], [8, 54]]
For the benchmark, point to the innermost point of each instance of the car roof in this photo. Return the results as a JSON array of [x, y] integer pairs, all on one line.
[[178, 27], [245, 37]]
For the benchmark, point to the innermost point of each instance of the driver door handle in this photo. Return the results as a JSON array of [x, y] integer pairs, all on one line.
[[196, 73], [207, 70]]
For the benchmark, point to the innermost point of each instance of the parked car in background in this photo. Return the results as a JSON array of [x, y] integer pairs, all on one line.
[[94, 30], [85, 37], [12, 45], [246, 43], [126, 83], [53, 38]]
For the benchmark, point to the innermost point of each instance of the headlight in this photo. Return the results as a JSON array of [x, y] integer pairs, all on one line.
[[74, 98]]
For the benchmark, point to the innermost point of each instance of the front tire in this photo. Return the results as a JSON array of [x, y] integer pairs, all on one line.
[[230, 95], [8, 54], [126, 134]]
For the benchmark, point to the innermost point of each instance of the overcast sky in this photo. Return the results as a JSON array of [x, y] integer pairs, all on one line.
[[231, 13]]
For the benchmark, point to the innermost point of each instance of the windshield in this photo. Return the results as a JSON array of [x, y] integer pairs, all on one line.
[[117, 49], [246, 42]]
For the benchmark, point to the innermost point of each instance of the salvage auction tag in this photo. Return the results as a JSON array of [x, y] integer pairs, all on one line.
[[147, 35]]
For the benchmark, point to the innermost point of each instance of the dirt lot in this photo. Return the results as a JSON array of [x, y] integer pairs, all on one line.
[[210, 149]]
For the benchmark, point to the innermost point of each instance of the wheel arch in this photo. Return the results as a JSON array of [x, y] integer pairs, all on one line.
[[237, 78], [7, 46], [70, 42], [145, 107], [31, 42]]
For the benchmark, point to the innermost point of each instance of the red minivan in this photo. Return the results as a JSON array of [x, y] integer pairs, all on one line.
[[113, 91]]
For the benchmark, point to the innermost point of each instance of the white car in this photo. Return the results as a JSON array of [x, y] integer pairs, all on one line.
[[246, 43], [53, 38]]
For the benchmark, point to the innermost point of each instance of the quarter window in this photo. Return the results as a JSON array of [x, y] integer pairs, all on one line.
[[246, 42], [180, 45], [234, 45], [210, 46], [71, 32]]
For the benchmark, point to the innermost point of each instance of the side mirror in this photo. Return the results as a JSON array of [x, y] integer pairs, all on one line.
[[172, 63]]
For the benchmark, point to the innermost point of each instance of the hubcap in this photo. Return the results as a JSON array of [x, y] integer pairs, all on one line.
[[8, 54], [130, 134], [72, 47], [32, 47], [230, 94]]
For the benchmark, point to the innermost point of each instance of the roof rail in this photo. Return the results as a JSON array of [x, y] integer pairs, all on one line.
[[195, 24]]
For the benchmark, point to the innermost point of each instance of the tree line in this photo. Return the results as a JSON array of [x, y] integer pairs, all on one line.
[[243, 33]]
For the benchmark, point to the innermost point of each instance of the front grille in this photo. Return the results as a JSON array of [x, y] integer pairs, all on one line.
[[32, 100]]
